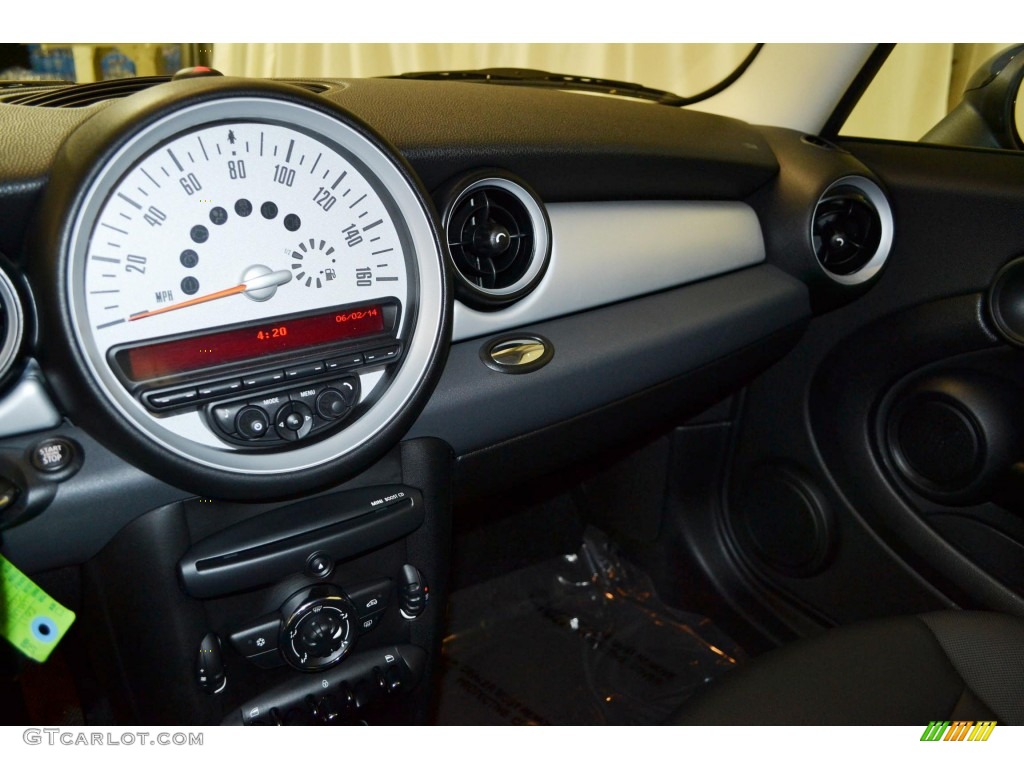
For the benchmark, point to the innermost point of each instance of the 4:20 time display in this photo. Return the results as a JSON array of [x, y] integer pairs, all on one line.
[[273, 333]]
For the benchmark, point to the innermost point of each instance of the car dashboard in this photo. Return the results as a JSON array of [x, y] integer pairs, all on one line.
[[262, 336]]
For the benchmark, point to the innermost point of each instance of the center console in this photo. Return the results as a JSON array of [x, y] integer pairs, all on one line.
[[322, 611]]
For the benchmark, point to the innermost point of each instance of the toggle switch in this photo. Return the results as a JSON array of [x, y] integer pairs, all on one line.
[[413, 592], [210, 665]]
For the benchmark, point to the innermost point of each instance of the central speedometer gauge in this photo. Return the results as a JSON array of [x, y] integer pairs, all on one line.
[[250, 282], [247, 222]]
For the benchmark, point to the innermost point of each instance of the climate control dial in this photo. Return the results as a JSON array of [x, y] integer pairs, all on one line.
[[317, 632]]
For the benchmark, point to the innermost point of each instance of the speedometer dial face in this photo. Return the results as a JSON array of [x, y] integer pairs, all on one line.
[[236, 222], [235, 243]]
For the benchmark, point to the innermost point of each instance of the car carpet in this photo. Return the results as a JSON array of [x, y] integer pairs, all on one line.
[[577, 639]]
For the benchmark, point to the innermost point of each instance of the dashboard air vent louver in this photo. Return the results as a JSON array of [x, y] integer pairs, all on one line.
[[498, 238], [851, 230], [87, 94], [846, 231]]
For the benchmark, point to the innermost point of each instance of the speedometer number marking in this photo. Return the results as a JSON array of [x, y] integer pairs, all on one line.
[[324, 199], [284, 175], [154, 217], [136, 264], [352, 236], [189, 183]]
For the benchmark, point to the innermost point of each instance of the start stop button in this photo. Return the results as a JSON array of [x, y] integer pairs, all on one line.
[[53, 455]]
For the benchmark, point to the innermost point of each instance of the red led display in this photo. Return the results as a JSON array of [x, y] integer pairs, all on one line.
[[168, 358]]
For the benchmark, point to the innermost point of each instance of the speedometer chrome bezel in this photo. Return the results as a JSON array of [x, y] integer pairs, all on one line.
[[424, 327]]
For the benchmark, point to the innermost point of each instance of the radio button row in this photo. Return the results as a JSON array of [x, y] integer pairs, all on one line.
[[310, 369], [380, 355], [171, 399], [166, 400], [348, 361], [263, 379], [220, 388]]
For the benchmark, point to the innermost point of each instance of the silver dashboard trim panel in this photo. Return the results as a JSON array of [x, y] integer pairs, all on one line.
[[607, 252], [28, 407]]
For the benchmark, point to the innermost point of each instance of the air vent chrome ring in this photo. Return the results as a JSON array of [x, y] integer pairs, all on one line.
[[499, 240], [851, 230], [12, 324]]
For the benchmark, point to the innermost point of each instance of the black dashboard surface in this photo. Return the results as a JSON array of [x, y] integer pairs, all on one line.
[[575, 151]]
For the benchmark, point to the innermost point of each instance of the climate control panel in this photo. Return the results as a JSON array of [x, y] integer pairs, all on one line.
[[318, 630], [316, 626]]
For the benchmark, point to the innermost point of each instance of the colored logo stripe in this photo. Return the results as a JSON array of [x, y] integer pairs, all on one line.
[[959, 730], [982, 730]]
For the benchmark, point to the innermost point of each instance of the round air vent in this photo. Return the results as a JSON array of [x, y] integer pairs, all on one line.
[[12, 324], [499, 240], [851, 230]]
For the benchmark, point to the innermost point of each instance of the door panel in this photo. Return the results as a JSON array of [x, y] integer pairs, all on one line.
[[832, 435]]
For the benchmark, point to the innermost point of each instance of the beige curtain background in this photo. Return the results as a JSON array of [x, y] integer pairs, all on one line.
[[683, 69], [915, 89]]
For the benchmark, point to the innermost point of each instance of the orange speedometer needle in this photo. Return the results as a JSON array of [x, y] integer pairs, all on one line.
[[261, 282]]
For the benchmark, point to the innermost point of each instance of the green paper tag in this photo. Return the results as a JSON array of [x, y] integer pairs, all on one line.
[[31, 620]]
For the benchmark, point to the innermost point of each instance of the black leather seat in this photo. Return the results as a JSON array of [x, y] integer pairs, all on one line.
[[950, 665]]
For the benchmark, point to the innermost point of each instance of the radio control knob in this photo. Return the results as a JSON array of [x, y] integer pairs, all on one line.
[[293, 421], [252, 422], [332, 404]]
